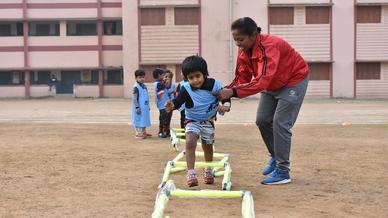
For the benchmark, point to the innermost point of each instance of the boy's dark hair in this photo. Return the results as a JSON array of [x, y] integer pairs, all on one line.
[[157, 72], [192, 64], [169, 71], [245, 26], [139, 72]]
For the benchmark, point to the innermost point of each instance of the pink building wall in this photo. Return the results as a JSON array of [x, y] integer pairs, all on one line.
[[86, 91], [40, 91], [62, 52], [350, 42], [11, 91]]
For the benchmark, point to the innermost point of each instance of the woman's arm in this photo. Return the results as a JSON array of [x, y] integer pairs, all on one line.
[[260, 82], [263, 78]]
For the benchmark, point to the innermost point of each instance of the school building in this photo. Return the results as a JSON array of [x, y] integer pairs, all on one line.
[[93, 46]]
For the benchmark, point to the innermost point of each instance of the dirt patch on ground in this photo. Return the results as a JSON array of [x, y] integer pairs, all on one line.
[[90, 170]]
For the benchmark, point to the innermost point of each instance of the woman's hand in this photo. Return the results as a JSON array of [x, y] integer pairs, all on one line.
[[224, 94]]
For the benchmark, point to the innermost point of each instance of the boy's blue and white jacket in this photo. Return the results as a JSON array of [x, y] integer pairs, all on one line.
[[159, 87], [171, 91], [178, 89], [142, 119], [200, 103]]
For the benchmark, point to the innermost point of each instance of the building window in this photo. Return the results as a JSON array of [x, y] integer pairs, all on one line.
[[366, 71], [11, 78], [89, 77], [368, 14], [281, 15], [186, 16], [152, 16], [44, 28], [82, 28], [148, 70], [40, 77], [11, 29], [319, 71], [317, 15], [113, 77], [94, 77], [113, 27]]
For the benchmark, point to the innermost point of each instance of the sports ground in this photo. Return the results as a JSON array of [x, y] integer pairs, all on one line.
[[78, 158]]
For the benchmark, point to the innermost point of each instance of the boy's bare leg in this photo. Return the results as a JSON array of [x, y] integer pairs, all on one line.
[[191, 144], [208, 150], [208, 154]]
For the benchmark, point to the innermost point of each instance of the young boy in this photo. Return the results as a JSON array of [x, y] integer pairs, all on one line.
[[170, 86], [170, 89], [161, 96], [140, 106], [201, 106]]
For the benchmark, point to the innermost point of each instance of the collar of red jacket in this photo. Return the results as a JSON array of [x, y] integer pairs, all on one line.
[[256, 51]]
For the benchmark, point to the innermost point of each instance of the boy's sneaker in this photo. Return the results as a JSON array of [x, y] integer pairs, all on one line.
[[277, 177], [192, 179], [270, 166], [208, 176], [162, 135], [140, 135]]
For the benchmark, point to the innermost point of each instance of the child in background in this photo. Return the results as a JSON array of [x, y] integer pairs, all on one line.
[[170, 88], [201, 105], [182, 108], [161, 96], [140, 106]]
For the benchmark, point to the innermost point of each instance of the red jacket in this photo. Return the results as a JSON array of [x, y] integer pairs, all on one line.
[[274, 64]]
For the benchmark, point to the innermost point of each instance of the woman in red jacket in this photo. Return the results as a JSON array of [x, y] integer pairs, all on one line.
[[269, 65]]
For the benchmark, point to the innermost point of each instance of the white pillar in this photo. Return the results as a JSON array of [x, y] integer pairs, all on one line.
[[130, 44], [343, 48], [63, 28], [257, 10], [215, 38]]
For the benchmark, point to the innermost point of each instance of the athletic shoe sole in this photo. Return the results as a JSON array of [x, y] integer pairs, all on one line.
[[192, 184], [209, 181], [281, 182], [140, 136]]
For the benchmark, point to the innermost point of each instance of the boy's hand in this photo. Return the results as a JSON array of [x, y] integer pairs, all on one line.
[[138, 111], [223, 109], [169, 106]]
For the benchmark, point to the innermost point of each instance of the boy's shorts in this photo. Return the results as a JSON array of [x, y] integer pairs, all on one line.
[[205, 129]]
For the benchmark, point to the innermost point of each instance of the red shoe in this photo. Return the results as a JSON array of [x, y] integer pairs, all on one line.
[[140, 135], [208, 176], [192, 180], [147, 134]]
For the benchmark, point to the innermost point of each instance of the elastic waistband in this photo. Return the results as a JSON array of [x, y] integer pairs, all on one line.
[[200, 122]]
